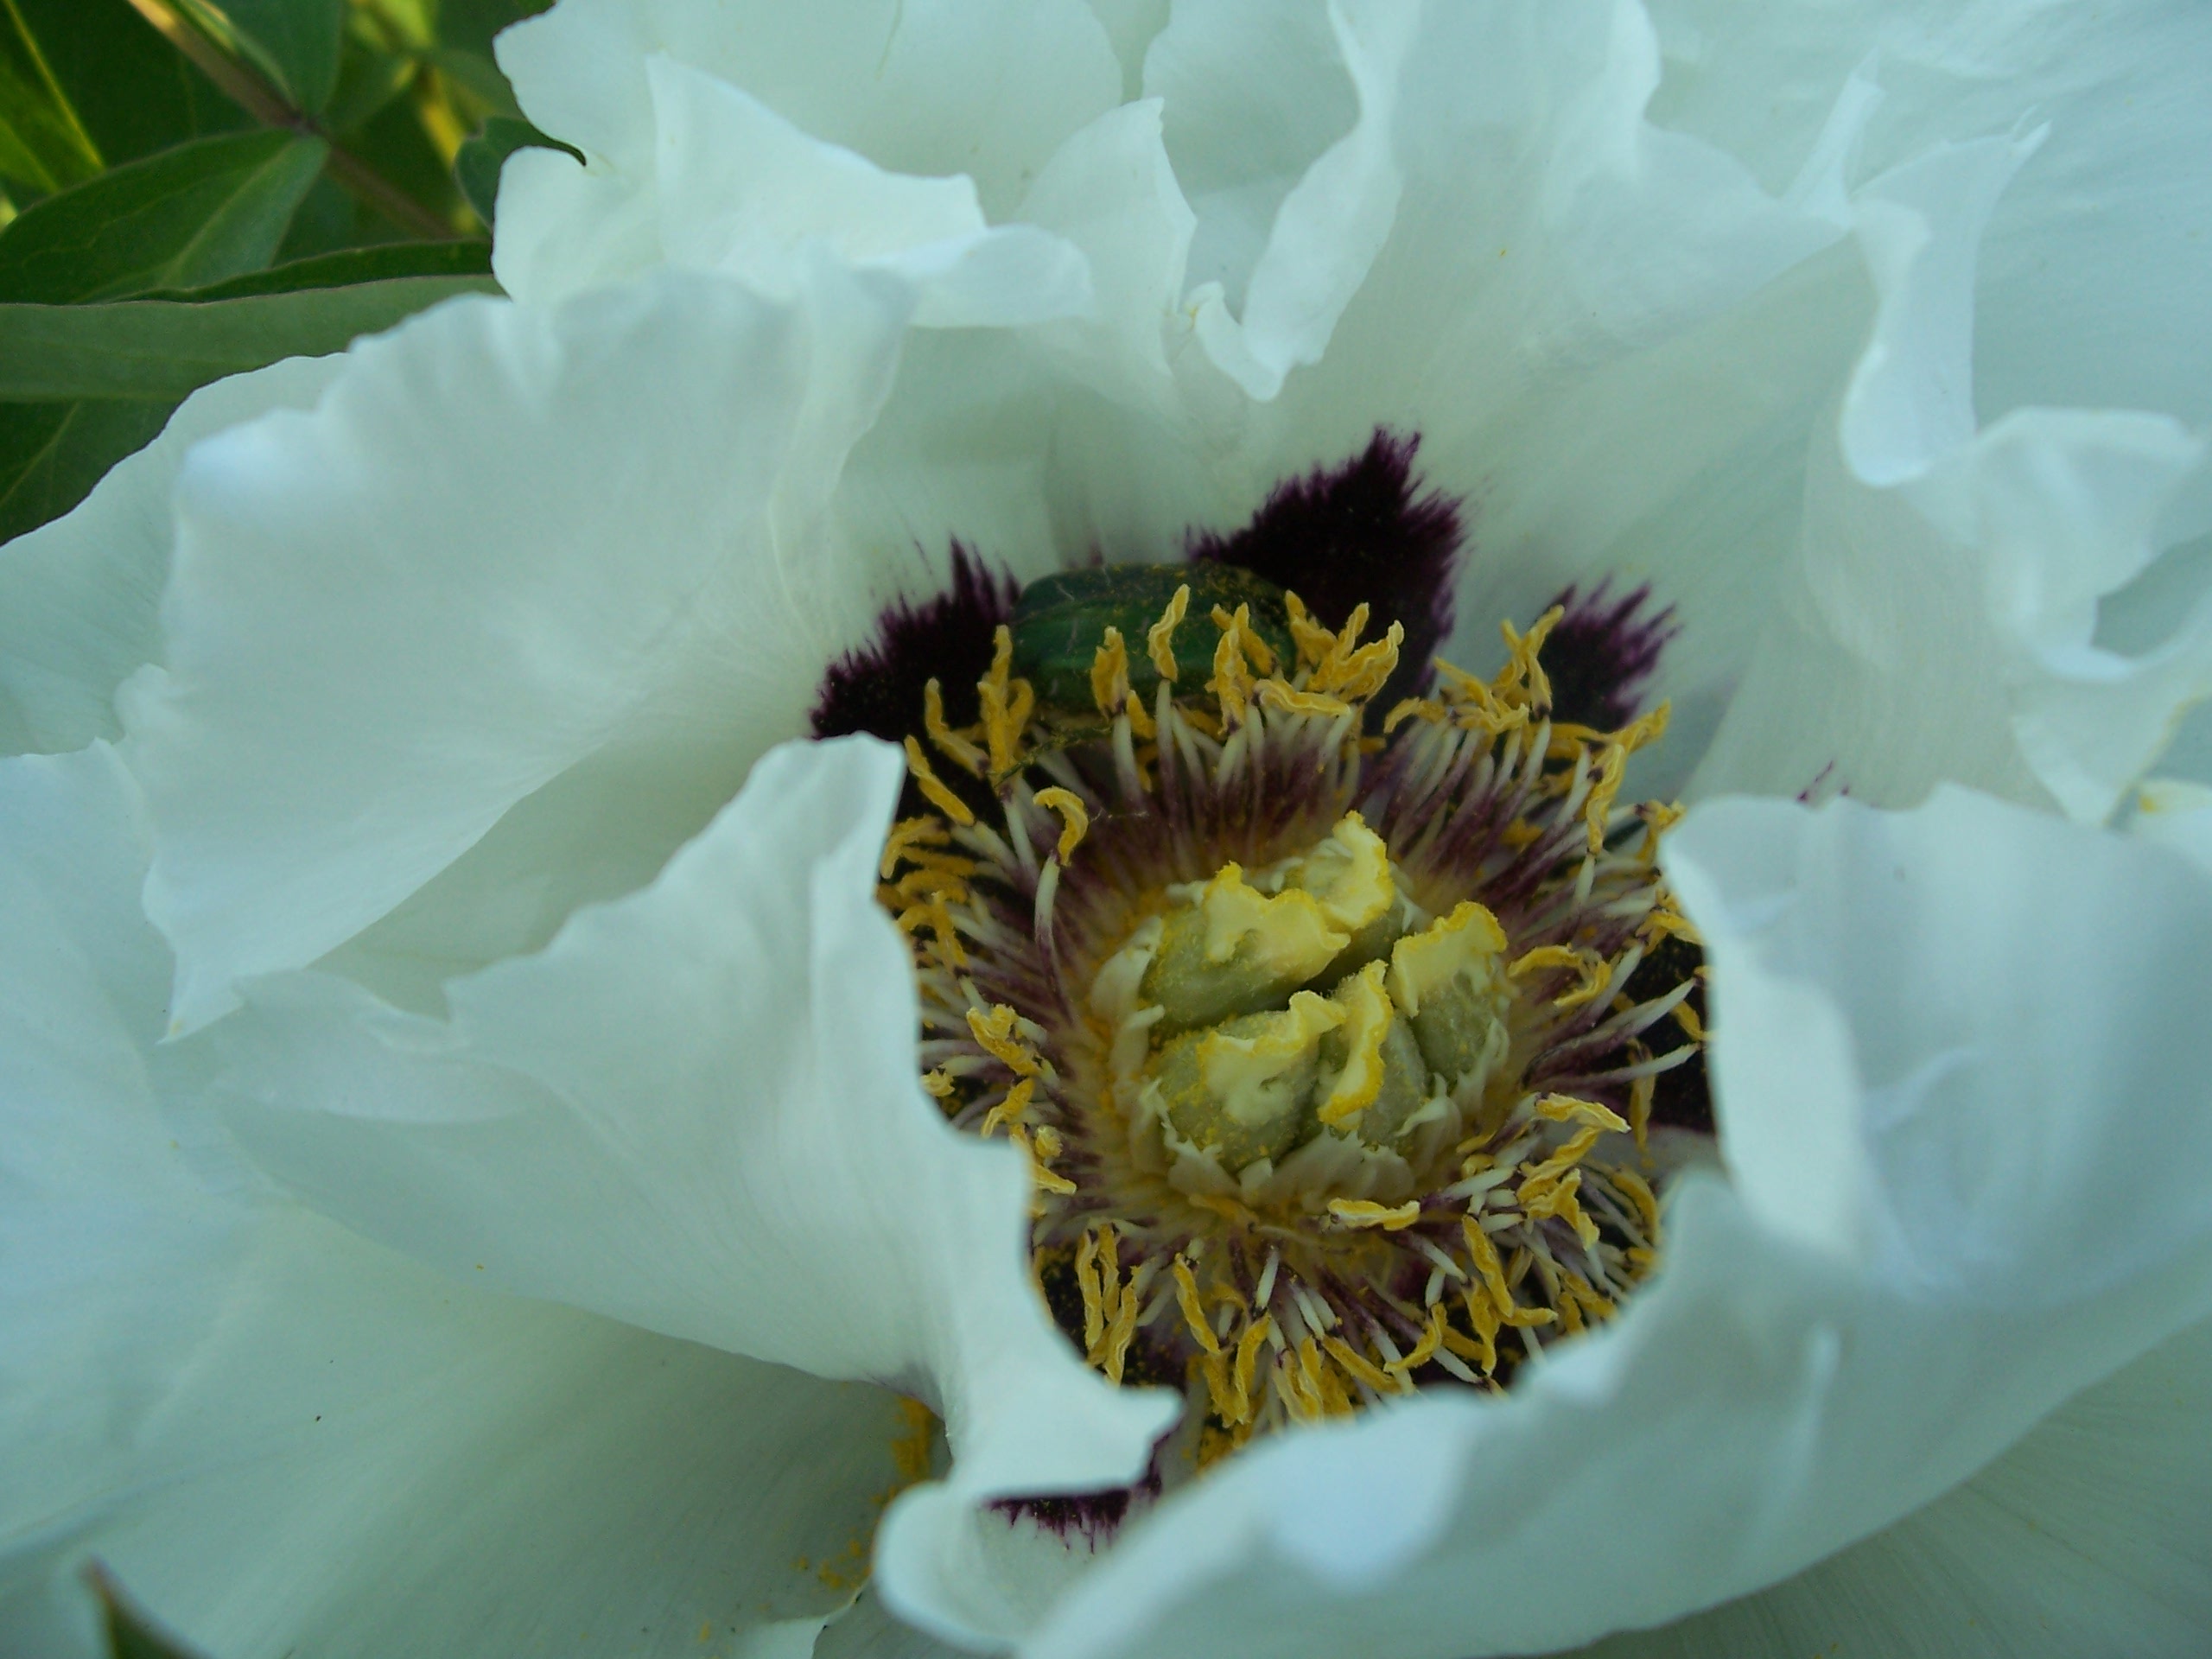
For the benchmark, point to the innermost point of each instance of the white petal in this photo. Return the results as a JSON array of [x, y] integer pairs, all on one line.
[[506, 542], [738, 189], [2090, 1536], [2176, 813], [1940, 621], [698, 1110], [280, 1436], [2091, 283], [1280, 124], [1111, 192], [932, 90], [2020, 1054], [77, 595]]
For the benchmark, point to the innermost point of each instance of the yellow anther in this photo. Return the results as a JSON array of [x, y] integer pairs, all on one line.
[[1640, 1194], [932, 787], [1356, 1364], [1522, 673], [905, 836], [1012, 1108], [1257, 651], [1686, 1017], [1484, 1255], [1365, 672], [1278, 694], [1231, 684], [938, 1083], [1361, 1213], [1640, 1095], [1094, 1296], [1482, 1319], [955, 745], [1426, 709], [1194, 1313], [1007, 703], [1074, 821], [1248, 1355], [1046, 1181], [1159, 639], [1110, 684], [935, 915], [994, 1033], [1559, 1200], [1314, 641], [1567, 1109], [1540, 1176], [1420, 1354], [1119, 1335], [1659, 816], [1543, 958]]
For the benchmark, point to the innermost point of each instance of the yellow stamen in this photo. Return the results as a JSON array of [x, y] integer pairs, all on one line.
[[1567, 1109], [907, 835], [1045, 1179], [1007, 703], [994, 1033], [1314, 641], [1110, 684], [1359, 1365], [932, 787], [1419, 1354], [1094, 1297], [1075, 820], [1248, 1355], [1278, 694], [1361, 1213], [1012, 1108], [956, 746], [1194, 1314], [938, 1083], [1159, 639]]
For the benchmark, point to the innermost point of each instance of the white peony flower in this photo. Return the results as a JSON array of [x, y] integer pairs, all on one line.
[[487, 1197]]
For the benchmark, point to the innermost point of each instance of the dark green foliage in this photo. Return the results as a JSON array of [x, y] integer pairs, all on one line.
[[195, 214]]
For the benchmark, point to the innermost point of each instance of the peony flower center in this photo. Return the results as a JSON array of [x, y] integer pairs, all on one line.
[[1331, 1028]]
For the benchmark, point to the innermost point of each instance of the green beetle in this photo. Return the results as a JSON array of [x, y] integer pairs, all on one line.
[[1060, 621]]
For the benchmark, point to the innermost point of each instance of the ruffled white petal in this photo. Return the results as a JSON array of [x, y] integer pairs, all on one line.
[[728, 138], [507, 541], [697, 1110], [1941, 619], [282, 1437], [2092, 1535], [79, 596], [2096, 256], [2006, 1014]]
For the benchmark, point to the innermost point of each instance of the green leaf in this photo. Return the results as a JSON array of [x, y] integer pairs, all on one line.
[[295, 42], [134, 92], [477, 165], [130, 1633], [42, 142], [51, 454], [164, 348], [189, 216], [351, 266]]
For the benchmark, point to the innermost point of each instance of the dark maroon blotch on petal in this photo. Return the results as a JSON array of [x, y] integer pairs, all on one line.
[[1602, 655], [878, 688], [1362, 531]]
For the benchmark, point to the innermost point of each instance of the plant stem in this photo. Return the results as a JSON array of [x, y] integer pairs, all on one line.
[[269, 107]]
